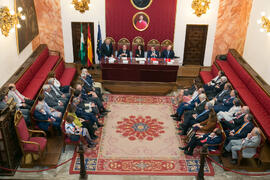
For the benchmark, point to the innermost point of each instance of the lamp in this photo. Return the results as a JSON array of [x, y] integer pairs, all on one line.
[[200, 6], [265, 23], [9, 19], [81, 5]]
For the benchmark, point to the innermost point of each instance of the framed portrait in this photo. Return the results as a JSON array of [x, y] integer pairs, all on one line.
[[29, 26], [141, 4], [140, 21]]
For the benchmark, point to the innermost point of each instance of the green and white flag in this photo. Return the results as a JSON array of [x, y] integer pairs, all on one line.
[[82, 50]]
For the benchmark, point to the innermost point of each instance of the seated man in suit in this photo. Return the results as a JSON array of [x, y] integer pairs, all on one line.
[[21, 101], [214, 81], [227, 103], [139, 53], [208, 125], [250, 144], [44, 112], [153, 53], [65, 89], [52, 100], [199, 140], [57, 91], [3, 101], [191, 119], [225, 93], [237, 119], [188, 105], [107, 48], [212, 91], [123, 52], [168, 53], [228, 115], [241, 131]]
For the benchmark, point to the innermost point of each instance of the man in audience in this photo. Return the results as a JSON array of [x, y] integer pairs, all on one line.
[[64, 89], [241, 131], [168, 53], [194, 118], [237, 119], [52, 100], [227, 103], [21, 101], [228, 115], [214, 81], [57, 90], [3, 101], [199, 140], [212, 91], [107, 48], [249, 145], [222, 95], [153, 53], [123, 52]]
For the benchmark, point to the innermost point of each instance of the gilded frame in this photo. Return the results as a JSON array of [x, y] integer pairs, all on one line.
[[141, 8], [135, 18]]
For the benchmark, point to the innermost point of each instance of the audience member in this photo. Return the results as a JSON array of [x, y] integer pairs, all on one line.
[[228, 115], [227, 102], [52, 100]]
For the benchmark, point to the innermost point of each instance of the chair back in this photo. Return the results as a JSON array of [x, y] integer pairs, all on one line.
[[165, 44], [154, 43], [123, 41], [21, 128], [113, 43]]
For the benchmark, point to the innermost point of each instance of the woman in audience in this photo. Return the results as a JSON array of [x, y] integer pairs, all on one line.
[[75, 132], [139, 53], [228, 115], [81, 122]]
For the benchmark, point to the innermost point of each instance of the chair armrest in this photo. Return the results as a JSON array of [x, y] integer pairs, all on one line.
[[30, 142], [37, 131]]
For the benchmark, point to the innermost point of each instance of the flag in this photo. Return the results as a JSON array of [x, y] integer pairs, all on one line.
[[99, 43], [82, 50], [89, 49]]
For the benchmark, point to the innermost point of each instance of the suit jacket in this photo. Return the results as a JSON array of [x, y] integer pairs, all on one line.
[[3, 105], [165, 54], [222, 95], [244, 132], [138, 54], [203, 116], [121, 51], [149, 54], [17, 100], [215, 140], [105, 51], [51, 100], [200, 108], [252, 142]]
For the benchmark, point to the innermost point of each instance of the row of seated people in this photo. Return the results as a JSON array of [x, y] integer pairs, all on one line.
[[107, 51], [195, 114], [52, 102]]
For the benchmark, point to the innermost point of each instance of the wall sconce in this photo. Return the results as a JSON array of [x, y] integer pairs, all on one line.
[[265, 23], [200, 6], [81, 5], [9, 19]]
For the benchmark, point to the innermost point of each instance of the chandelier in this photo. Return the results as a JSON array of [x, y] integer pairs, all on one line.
[[81, 5], [265, 24], [9, 19], [200, 6]]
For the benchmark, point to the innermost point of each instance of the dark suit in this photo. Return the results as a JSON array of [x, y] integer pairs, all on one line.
[[45, 125], [121, 51], [105, 51], [166, 54], [52, 101], [242, 134], [138, 54], [149, 54], [222, 95], [187, 106], [237, 121], [225, 106], [212, 91]]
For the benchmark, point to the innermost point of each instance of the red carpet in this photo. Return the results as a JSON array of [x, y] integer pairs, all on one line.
[[139, 138]]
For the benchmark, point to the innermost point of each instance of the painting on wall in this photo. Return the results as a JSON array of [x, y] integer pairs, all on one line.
[[141, 4], [29, 26], [141, 21]]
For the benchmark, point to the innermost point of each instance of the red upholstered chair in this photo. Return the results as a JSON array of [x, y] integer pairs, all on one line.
[[135, 43], [154, 43], [123, 41], [28, 143], [166, 43]]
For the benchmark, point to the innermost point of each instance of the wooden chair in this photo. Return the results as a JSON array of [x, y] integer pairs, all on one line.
[[113, 43], [154, 43], [166, 43], [29, 144], [256, 157], [136, 42], [123, 41]]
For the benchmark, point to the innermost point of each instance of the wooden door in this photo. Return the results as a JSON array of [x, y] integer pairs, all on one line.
[[195, 43], [76, 39]]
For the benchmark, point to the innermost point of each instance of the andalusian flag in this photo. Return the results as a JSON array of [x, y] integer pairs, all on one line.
[[82, 50], [89, 49]]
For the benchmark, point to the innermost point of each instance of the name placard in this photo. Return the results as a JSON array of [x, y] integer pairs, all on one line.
[[170, 63], [124, 58], [111, 60], [142, 62], [125, 61], [155, 62]]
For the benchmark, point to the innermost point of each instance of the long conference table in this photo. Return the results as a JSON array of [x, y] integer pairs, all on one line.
[[132, 69]]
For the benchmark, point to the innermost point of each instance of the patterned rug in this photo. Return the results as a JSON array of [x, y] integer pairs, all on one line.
[[139, 138]]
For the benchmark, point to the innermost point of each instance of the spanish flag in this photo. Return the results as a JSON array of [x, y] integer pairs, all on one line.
[[89, 49]]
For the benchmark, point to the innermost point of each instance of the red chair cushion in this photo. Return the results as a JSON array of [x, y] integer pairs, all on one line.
[[59, 70], [40, 60], [33, 147], [24, 80], [67, 76], [22, 130], [214, 70], [33, 87], [206, 76]]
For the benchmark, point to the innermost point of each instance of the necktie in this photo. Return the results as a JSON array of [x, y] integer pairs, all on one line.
[[19, 96], [239, 130]]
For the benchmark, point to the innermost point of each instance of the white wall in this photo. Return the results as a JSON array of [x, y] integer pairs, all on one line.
[[96, 14], [257, 45], [185, 16], [10, 60]]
